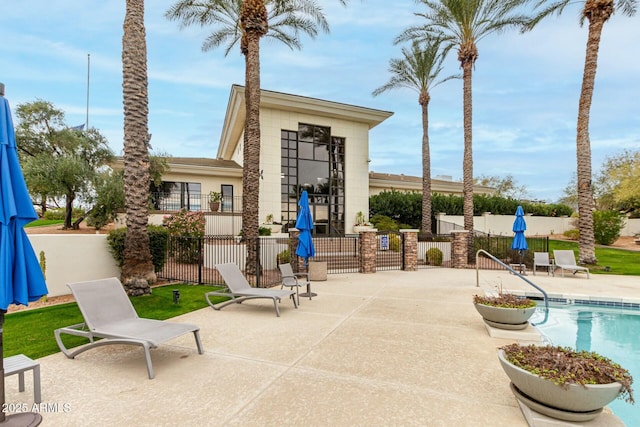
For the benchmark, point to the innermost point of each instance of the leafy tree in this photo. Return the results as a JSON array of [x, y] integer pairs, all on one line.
[[110, 200], [246, 22], [59, 162], [462, 24], [419, 70], [597, 12], [503, 186], [137, 269], [607, 226], [618, 183], [570, 192]]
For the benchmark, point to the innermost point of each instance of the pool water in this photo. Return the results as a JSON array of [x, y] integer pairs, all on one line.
[[612, 332]]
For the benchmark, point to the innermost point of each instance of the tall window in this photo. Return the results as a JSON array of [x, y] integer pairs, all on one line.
[[227, 198], [313, 160]]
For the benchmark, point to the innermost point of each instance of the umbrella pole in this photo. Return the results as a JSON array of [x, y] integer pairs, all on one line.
[[24, 418]]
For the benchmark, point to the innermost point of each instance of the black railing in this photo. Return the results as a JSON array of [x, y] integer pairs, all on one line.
[[172, 202]]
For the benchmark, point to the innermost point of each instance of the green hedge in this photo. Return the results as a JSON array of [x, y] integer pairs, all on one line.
[[158, 239]]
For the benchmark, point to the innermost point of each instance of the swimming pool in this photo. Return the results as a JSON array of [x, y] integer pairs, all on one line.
[[611, 331]]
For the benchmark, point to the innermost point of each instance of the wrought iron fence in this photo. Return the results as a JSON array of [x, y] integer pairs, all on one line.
[[172, 202], [342, 254], [434, 251], [500, 247], [193, 260]]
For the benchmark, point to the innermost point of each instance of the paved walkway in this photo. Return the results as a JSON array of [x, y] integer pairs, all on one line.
[[391, 348]]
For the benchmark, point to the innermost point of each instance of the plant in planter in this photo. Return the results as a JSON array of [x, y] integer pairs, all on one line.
[[214, 200], [361, 223], [271, 224], [505, 311], [563, 383]]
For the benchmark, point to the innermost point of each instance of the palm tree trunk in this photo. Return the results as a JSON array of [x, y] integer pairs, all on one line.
[[467, 160], [137, 269], [586, 242], [426, 166], [251, 153]]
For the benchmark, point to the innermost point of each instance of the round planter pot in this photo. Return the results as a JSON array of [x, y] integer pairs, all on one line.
[[571, 402], [505, 318]]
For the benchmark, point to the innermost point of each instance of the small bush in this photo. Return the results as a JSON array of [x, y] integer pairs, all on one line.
[[607, 226], [284, 257], [572, 234], [433, 256], [264, 231], [158, 237], [59, 213], [384, 223], [394, 242]]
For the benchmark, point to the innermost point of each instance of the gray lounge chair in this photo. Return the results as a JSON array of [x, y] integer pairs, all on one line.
[[109, 314], [240, 290], [541, 259], [565, 260], [295, 280]]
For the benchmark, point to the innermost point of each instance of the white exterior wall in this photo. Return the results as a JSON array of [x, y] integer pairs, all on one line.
[[74, 258], [356, 136]]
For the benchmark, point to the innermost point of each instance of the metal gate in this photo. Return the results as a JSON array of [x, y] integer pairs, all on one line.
[[389, 254]]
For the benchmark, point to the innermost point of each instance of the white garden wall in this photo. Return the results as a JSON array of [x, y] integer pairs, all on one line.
[[536, 225], [74, 258]]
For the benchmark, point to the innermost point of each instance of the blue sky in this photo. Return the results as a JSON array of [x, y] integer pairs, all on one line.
[[525, 87]]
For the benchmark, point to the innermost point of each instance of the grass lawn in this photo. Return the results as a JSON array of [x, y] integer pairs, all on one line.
[[42, 222], [30, 332], [620, 261]]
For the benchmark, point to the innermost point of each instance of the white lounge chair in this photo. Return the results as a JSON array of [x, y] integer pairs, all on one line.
[[565, 260], [240, 290], [541, 259], [109, 315]]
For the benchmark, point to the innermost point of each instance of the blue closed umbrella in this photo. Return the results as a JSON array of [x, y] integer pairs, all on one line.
[[519, 242], [304, 223], [21, 279]]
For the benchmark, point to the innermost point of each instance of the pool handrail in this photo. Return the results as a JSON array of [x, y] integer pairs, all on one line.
[[511, 270]]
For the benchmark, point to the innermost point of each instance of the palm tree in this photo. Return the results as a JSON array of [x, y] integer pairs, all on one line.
[[137, 269], [597, 12], [418, 70], [247, 21], [462, 24]]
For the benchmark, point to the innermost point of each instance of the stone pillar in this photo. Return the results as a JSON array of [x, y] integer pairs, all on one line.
[[368, 250], [297, 263], [459, 247], [410, 249]]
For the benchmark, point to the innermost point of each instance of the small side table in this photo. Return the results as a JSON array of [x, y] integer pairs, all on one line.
[[18, 365]]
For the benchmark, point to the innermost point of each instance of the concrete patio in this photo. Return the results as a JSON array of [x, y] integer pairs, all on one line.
[[390, 348]]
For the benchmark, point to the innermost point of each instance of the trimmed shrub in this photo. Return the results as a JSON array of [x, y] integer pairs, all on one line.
[[158, 238], [384, 223], [284, 257], [573, 234], [59, 213], [607, 226], [394, 242], [433, 256]]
